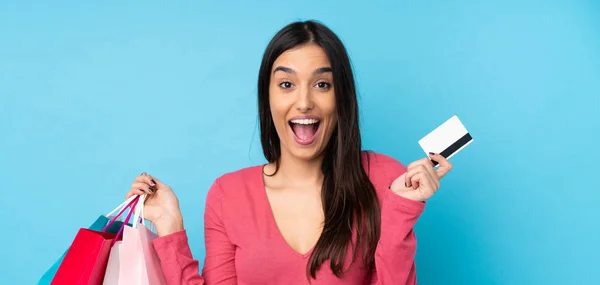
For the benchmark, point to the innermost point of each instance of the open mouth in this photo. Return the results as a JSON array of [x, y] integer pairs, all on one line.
[[305, 130]]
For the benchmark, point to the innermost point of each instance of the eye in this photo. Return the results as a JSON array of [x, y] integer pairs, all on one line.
[[324, 85], [285, 85]]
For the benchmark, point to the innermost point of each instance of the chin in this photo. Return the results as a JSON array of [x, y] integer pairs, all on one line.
[[306, 154]]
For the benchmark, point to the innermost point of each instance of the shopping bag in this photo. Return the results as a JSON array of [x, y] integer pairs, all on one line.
[[97, 225], [111, 277], [86, 259], [139, 263]]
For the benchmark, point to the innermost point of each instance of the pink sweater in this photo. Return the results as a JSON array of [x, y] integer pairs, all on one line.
[[244, 245]]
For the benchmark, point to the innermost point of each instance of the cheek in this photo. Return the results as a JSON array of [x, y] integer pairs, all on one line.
[[274, 103], [329, 108], [330, 113], [333, 121], [331, 126], [279, 109]]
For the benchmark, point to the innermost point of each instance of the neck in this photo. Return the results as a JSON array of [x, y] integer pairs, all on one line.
[[300, 172]]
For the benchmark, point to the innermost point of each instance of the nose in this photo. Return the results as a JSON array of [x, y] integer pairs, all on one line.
[[305, 102]]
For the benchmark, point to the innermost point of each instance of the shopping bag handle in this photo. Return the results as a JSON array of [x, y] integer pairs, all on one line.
[[129, 204], [133, 204], [125, 203], [138, 217]]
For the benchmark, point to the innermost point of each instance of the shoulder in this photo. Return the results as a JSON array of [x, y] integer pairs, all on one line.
[[382, 168], [244, 176], [238, 184], [375, 161]]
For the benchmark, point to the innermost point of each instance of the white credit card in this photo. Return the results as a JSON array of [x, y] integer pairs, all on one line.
[[447, 139]]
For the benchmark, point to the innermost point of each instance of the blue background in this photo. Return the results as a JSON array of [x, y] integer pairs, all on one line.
[[92, 94]]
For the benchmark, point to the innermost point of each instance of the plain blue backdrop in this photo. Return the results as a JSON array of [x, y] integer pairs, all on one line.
[[92, 94]]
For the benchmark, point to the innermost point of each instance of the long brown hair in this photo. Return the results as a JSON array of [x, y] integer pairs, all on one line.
[[349, 198]]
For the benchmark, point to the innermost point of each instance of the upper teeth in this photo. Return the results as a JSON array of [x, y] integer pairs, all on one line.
[[305, 121]]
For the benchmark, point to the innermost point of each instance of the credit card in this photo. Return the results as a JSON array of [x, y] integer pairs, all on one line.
[[447, 139]]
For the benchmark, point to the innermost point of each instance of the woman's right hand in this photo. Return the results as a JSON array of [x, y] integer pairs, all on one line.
[[161, 206]]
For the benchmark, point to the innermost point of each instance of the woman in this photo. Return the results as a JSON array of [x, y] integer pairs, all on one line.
[[321, 211]]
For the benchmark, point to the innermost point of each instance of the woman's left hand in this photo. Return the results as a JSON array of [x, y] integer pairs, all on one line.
[[421, 180]]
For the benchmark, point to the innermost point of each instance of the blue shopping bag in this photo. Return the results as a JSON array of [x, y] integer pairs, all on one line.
[[98, 225]]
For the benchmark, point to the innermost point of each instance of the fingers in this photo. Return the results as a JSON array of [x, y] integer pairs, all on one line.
[[143, 184], [419, 176], [428, 166], [134, 192], [425, 189], [415, 179], [425, 180], [138, 188], [145, 178], [422, 165], [412, 173], [157, 183], [429, 186], [444, 165], [422, 177]]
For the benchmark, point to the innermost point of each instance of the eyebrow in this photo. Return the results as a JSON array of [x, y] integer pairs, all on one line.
[[319, 70]]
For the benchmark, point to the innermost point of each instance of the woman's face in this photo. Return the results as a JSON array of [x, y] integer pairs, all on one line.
[[302, 101]]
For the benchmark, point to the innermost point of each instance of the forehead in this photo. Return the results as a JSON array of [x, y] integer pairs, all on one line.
[[303, 59]]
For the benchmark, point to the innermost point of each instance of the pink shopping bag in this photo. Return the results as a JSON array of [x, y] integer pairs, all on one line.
[[111, 275], [139, 264]]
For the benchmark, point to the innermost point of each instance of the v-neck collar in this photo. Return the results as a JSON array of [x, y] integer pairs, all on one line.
[[271, 216]]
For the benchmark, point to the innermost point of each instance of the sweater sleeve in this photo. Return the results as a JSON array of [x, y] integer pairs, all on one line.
[[178, 265], [395, 253]]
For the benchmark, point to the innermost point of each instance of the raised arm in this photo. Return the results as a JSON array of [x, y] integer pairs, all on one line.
[[402, 205]]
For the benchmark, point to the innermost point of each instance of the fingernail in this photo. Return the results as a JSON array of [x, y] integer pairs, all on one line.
[[431, 153], [153, 182], [152, 189]]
